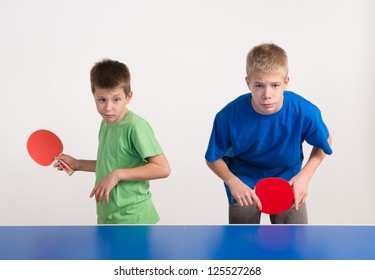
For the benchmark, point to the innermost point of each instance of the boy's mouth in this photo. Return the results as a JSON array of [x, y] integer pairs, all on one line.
[[108, 116]]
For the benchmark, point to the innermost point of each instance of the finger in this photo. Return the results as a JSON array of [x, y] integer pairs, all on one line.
[[297, 200], [58, 158], [299, 203], [107, 196], [302, 201], [101, 196], [239, 201], [57, 164], [256, 200], [93, 192], [258, 203], [248, 200], [61, 156], [98, 198], [244, 202]]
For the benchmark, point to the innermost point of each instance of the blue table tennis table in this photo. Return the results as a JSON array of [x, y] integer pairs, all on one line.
[[158, 242]]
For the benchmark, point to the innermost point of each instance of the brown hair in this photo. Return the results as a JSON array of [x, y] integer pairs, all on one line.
[[110, 74], [266, 58]]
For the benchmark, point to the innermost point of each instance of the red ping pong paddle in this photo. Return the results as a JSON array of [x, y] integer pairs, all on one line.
[[275, 194], [43, 146]]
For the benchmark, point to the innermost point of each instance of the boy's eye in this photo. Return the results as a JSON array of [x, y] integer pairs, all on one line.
[[116, 99], [258, 86], [276, 85], [101, 99]]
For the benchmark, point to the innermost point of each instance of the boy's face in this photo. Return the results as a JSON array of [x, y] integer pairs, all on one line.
[[111, 103], [267, 89]]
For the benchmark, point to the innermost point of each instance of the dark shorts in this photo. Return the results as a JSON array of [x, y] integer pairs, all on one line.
[[251, 215]]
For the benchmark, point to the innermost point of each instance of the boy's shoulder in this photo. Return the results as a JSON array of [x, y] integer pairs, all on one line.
[[295, 96], [237, 102], [131, 116], [299, 101], [135, 123], [240, 99]]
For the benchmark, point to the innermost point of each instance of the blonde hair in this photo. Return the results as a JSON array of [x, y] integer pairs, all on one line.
[[267, 58]]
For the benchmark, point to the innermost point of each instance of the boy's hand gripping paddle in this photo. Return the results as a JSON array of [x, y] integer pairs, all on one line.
[[275, 194], [43, 146]]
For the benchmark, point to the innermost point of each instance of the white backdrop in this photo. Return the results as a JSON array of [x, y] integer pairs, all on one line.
[[187, 60]]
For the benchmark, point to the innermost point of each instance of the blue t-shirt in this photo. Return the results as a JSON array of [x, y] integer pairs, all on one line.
[[256, 146]]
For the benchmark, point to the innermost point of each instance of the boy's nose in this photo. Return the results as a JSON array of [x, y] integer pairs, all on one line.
[[108, 107], [267, 93]]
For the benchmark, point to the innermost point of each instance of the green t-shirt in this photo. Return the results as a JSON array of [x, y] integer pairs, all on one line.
[[126, 144]]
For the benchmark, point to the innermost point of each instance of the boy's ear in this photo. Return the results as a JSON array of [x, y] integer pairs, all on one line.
[[129, 97], [247, 81], [286, 80]]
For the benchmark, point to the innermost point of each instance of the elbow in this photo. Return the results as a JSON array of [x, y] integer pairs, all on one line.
[[214, 165], [330, 140], [165, 171]]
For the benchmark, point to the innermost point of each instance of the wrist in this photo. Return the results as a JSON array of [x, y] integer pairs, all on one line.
[[78, 165], [117, 175], [306, 173], [231, 181]]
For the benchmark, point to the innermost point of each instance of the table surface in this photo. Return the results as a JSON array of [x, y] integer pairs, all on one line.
[[157, 242]]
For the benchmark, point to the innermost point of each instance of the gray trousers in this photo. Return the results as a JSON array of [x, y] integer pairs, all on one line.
[[251, 215]]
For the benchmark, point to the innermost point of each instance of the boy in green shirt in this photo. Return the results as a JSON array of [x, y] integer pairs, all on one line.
[[128, 154]]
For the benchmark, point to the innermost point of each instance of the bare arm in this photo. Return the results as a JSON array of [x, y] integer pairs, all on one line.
[[300, 182], [87, 165], [76, 164], [156, 168], [242, 193]]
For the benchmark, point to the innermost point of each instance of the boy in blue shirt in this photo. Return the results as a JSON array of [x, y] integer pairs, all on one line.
[[260, 135]]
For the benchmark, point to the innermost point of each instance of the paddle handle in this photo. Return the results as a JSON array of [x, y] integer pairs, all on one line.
[[66, 168]]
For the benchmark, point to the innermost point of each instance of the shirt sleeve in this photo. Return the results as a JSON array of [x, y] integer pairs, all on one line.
[[144, 140], [219, 144], [316, 132]]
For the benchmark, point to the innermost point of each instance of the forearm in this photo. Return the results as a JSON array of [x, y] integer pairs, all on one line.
[[156, 168], [243, 194], [149, 171], [316, 157], [220, 168], [86, 165]]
